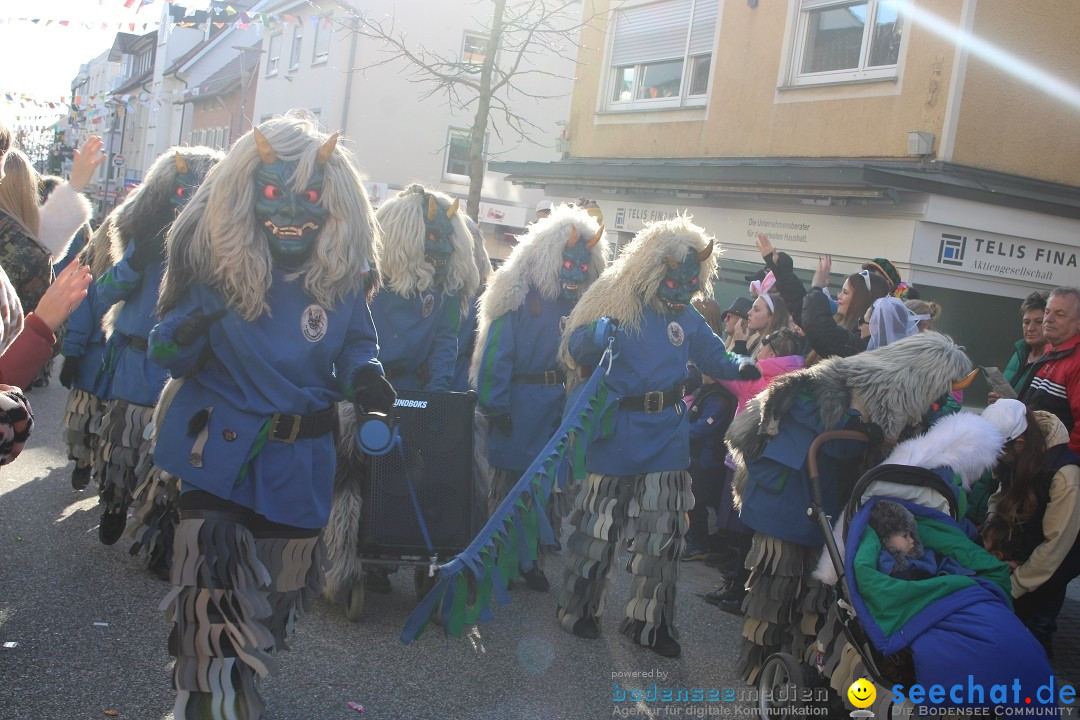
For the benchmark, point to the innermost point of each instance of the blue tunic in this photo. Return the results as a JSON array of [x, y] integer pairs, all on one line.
[[520, 343], [652, 359], [297, 359], [416, 331], [85, 340], [134, 378]]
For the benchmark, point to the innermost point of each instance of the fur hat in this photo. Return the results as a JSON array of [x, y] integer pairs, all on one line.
[[889, 518]]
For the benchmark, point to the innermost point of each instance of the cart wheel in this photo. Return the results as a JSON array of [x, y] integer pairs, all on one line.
[[780, 686], [422, 583], [354, 606]]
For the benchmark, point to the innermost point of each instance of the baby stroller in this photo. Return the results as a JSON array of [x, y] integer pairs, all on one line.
[[900, 632]]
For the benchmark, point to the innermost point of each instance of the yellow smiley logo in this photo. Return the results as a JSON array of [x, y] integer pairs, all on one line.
[[862, 693]]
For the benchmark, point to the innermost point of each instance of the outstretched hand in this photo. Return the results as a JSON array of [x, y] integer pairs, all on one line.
[[821, 276], [87, 159], [765, 247], [197, 326], [64, 295]]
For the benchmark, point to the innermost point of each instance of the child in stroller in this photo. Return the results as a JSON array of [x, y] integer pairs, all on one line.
[[907, 631]]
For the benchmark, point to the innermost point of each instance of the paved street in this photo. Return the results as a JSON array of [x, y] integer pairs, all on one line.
[[58, 584]]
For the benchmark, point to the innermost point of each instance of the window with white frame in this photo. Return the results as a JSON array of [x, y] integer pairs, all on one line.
[[457, 153], [474, 49], [661, 54], [323, 31], [297, 43], [845, 41], [273, 55]]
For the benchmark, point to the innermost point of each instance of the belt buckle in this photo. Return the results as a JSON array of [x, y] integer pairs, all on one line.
[[287, 438], [654, 402], [551, 377]]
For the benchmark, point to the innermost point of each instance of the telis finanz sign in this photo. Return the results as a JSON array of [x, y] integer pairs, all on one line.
[[1004, 257]]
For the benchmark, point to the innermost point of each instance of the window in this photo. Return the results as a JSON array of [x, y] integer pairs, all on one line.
[[297, 42], [323, 31], [474, 49], [844, 41], [661, 55], [219, 138], [457, 153], [273, 55]]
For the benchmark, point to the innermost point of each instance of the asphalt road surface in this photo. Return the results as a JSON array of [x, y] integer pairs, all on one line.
[[89, 638]]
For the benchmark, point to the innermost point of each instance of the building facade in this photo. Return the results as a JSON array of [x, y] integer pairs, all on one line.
[[941, 134]]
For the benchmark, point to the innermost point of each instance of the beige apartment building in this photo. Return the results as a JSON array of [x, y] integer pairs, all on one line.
[[942, 134]]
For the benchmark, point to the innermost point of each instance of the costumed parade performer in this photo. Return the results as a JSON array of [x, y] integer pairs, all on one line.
[[429, 277], [467, 326], [83, 371], [638, 484], [265, 327], [515, 367], [880, 393], [130, 289]]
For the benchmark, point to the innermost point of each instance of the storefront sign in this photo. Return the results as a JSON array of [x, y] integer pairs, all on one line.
[[1000, 256], [497, 214]]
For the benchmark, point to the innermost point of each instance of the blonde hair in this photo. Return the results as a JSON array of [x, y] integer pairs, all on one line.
[[19, 191], [924, 307]]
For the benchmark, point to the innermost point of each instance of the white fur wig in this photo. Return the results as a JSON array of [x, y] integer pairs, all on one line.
[[534, 263], [634, 278], [404, 268], [967, 443], [217, 241]]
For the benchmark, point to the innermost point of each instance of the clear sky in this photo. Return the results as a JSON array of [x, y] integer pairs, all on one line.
[[41, 59]]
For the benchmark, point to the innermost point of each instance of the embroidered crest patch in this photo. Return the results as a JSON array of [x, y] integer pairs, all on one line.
[[675, 333], [313, 322], [429, 304]]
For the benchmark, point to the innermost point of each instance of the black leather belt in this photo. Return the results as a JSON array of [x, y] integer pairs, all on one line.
[[652, 402], [288, 428], [138, 343], [548, 377]]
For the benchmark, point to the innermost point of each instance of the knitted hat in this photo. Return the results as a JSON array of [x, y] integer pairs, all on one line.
[[889, 518], [1009, 416], [886, 269], [740, 306]]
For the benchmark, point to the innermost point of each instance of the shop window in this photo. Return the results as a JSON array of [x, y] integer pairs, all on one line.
[[661, 55], [323, 31], [844, 41], [297, 43], [273, 55]]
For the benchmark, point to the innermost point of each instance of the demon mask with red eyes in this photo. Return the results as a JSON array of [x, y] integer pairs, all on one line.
[[291, 218], [576, 257], [681, 280]]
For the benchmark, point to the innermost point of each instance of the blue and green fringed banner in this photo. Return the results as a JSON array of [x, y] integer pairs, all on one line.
[[510, 540]]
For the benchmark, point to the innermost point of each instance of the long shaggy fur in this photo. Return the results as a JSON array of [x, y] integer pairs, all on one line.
[[965, 442], [534, 264], [148, 209], [97, 253], [634, 278], [893, 386], [216, 240], [404, 268]]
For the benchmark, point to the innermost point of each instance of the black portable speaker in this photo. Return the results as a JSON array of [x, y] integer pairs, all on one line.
[[436, 431]]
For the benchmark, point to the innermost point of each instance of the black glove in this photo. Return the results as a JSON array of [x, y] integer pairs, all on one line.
[[147, 252], [693, 380], [748, 370], [197, 326], [69, 370], [372, 392], [503, 423]]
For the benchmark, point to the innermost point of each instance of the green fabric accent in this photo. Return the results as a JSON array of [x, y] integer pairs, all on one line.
[[483, 594], [453, 312], [165, 351], [531, 524], [978, 497], [457, 610], [893, 602], [109, 279], [256, 448], [783, 480], [486, 381]]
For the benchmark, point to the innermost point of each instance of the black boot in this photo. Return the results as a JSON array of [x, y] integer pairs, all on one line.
[[662, 643], [80, 478], [536, 580], [377, 579], [112, 525], [587, 628]]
